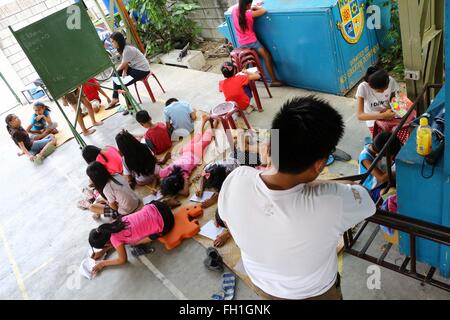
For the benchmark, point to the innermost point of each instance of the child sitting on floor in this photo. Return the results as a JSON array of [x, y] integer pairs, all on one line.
[[41, 123], [117, 196], [374, 96], [140, 166], [109, 156], [236, 87], [157, 137], [140, 228], [378, 177], [36, 149], [91, 91], [175, 177]]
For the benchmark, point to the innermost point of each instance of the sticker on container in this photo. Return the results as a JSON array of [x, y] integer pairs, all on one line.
[[352, 24]]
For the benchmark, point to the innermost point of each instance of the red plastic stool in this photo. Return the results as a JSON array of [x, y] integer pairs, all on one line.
[[224, 113], [147, 86], [243, 58]]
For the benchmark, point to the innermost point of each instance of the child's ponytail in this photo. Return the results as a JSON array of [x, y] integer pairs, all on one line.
[[100, 236], [243, 14]]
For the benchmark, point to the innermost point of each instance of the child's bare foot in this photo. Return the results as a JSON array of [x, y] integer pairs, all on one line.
[[88, 132], [222, 239], [98, 123], [54, 131]]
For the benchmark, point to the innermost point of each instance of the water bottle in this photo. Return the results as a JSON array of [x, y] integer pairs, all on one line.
[[424, 138]]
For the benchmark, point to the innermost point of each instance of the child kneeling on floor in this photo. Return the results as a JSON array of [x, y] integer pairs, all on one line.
[[35, 149], [150, 223], [236, 87], [375, 182], [175, 177], [117, 198], [140, 166], [157, 136]]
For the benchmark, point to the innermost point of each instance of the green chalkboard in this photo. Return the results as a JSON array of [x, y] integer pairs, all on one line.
[[64, 48]]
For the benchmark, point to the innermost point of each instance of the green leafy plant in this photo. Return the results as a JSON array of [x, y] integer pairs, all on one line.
[[391, 56], [164, 25]]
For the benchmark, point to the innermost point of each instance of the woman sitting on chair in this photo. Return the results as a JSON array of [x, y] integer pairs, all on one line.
[[134, 64]]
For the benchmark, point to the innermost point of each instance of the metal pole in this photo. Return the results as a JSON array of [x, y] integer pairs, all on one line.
[[75, 133], [134, 105], [10, 89]]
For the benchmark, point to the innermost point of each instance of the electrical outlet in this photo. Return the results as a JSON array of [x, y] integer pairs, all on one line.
[[412, 75]]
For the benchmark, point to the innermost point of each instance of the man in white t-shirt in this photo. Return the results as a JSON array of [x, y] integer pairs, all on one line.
[[286, 223]]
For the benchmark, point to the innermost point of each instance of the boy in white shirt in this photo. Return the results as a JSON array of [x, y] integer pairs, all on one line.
[[286, 223]]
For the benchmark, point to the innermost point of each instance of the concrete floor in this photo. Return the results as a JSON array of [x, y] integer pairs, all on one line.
[[43, 235]]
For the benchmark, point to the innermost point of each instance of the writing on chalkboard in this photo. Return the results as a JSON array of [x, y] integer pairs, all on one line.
[[33, 39]]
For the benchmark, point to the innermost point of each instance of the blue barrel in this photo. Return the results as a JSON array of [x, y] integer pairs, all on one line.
[[320, 45]]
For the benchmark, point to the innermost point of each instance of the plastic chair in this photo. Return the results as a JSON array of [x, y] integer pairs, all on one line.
[[147, 86], [224, 113], [244, 58]]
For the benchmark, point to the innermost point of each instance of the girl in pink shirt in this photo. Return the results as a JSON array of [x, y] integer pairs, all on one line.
[[109, 156], [243, 18], [151, 222], [175, 177]]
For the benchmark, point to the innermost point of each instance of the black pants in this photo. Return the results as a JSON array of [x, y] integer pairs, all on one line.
[[168, 219], [135, 74]]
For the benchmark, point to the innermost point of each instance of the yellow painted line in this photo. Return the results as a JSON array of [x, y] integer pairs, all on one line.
[[32, 273], [14, 266]]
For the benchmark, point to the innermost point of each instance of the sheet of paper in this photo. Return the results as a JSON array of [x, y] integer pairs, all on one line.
[[252, 70], [152, 197], [206, 195], [125, 80], [210, 230], [86, 268]]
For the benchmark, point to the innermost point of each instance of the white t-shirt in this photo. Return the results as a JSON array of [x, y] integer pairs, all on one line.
[[288, 238], [135, 58], [375, 102], [125, 197]]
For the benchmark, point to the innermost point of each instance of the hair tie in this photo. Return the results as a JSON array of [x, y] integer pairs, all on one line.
[[207, 175]]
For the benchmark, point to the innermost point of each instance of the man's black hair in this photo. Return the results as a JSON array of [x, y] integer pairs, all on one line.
[[170, 101], [309, 129], [143, 117]]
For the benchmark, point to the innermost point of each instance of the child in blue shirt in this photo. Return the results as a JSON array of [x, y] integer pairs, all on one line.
[[368, 155], [41, 123]]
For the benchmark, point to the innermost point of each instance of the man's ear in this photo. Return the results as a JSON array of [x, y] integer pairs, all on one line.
[[319, 165]]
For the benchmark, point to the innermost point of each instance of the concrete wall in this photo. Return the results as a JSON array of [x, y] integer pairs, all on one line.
[[211, 15]]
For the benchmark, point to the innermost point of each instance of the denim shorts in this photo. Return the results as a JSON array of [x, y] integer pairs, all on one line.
[[254, 45], [40, 144]]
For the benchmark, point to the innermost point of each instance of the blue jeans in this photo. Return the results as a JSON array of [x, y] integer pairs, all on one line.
[[40, 144], [254, 45]]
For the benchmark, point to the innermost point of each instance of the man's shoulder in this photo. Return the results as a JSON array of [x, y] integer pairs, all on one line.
[[242, 172]]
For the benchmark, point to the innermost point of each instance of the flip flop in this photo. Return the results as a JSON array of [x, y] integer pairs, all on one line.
[[340, 155], [228, 285], [330, 160], [141, 250], [218, 296]]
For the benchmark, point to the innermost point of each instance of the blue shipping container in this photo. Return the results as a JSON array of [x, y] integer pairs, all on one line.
[[422, 193], [321, 45]]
